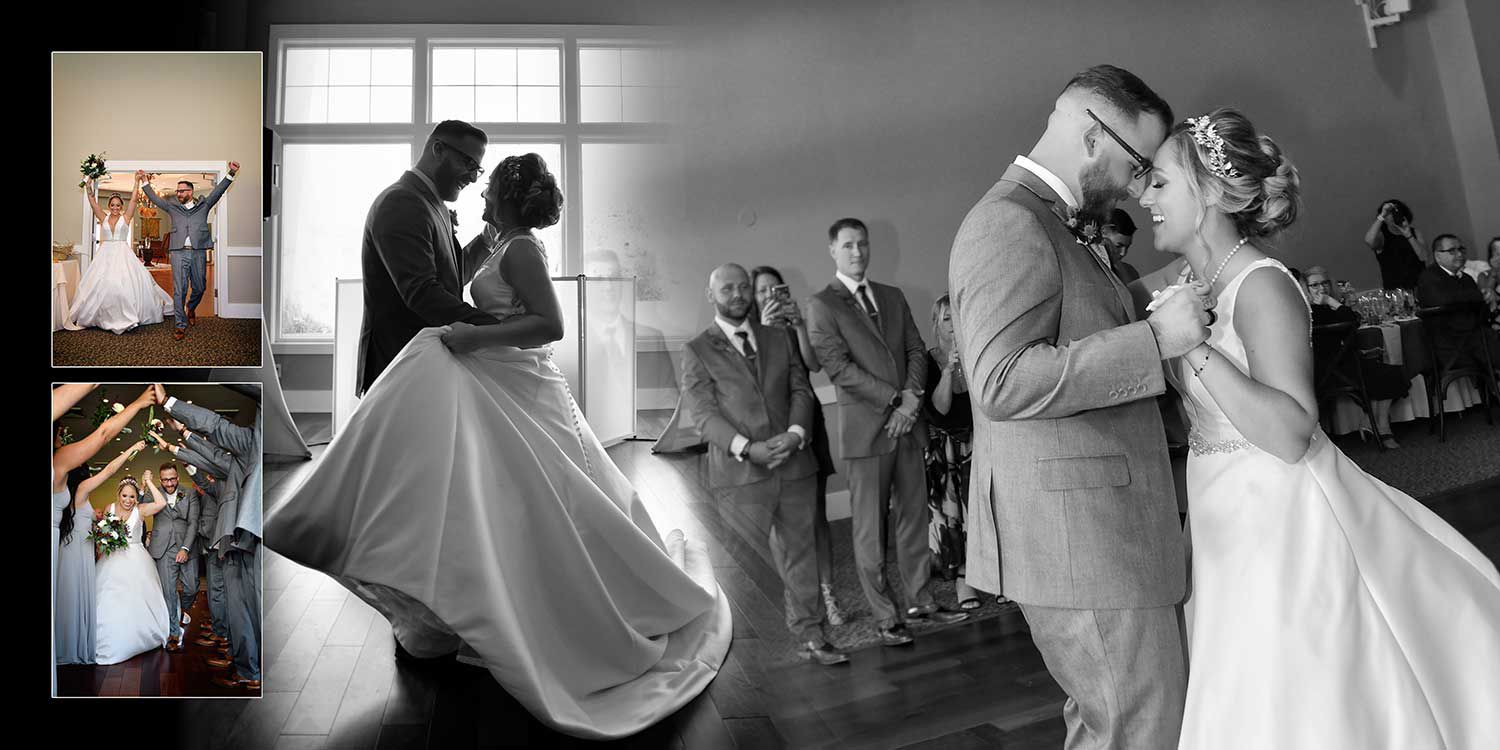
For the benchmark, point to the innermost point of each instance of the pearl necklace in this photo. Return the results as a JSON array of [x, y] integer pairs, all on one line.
[[1220, 270]]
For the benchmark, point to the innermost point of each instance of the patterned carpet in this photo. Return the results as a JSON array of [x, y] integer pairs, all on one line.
[[213, 342]]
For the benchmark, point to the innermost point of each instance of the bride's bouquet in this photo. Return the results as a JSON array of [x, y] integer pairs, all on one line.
[[109, 534], [92, 168]]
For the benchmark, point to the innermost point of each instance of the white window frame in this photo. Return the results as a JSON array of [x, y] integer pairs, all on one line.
[[571, 133]]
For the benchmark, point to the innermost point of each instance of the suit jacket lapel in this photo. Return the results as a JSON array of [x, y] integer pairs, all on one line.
[[842, 292], [444, 222]]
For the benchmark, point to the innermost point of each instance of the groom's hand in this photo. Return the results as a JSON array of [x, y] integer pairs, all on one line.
[[1179, 324], [161, 393], [234, 168], [461, 337]]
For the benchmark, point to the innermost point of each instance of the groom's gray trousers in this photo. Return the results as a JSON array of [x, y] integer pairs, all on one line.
[[170, 572], [1123, 671]]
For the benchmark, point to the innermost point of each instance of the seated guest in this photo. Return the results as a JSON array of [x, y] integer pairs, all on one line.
[[1383, 382], [1397, 245], [1118, 234], [950, 427], [774, 306], [748, 395], [1445, 283]]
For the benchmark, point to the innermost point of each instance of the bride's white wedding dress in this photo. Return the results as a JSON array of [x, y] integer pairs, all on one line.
[[1326, 609], [117, 293], [131, 615], [468, 501]]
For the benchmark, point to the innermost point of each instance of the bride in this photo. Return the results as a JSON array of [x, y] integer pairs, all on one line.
[[117, 293], [469, 502], [132, 615], [1326, 609]]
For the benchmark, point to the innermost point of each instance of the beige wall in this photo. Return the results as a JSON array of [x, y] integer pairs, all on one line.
[[120, 103]]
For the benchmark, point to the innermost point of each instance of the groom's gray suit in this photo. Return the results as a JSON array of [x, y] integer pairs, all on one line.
[[1072, 511], [191, 240], [174, 529]]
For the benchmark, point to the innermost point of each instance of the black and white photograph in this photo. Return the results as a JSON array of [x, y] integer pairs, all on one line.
[[156, 510], [844, 374]]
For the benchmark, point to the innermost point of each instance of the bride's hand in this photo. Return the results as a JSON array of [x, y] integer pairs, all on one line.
[[460, 337]]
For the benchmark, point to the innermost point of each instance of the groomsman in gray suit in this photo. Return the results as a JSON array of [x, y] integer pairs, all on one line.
[[1072, 511], [869, 345], [237, 537], [747, 391], [191, 240], [174, 541]]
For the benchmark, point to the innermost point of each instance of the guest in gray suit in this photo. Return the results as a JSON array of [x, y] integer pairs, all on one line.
[[747, 391], [868, 343], [237, 537], [191, 241], [1072, 508], [174, 544]]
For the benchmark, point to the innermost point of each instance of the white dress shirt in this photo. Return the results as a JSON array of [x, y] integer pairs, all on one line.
[[738, 443], [1052, 180], [853, 287]]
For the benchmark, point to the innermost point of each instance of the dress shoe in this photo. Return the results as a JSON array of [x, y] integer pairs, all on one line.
[[218, 663], [236, 681], [934, 613], [822, 653], [173, 645], [896, 635], [192, 318], [206, 641], [178, 334]]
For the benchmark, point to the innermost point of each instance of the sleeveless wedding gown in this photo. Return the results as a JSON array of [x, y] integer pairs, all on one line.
[[1326, 609], [469, 502], [132, 615], [117, 293]]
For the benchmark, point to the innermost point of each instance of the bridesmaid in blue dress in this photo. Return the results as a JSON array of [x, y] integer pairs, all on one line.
[[73, 620]]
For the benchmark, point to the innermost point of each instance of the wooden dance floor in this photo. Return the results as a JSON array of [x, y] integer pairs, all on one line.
[[332, 680]]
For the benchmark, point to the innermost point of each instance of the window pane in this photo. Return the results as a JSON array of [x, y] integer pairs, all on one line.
[[452, 67], [495, 104], [538, 67], [452, 103], [539, 104], [390, 67], [638, 67], [390, 104], [348, 104], [641, 103], [599, 104], [326, 194], [598, 67], [628, 191], [495, 67], [306, 104], [470, 204], [349, 67], [306, 67]]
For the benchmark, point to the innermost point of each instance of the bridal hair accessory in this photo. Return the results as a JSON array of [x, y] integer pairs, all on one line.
[[1206, 136]]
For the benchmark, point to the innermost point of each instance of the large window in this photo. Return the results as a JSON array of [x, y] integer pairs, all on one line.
[[353, 106]]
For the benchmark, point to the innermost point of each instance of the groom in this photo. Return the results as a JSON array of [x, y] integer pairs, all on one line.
[[414, 270], [1072, 511], [191, 241], [174, 533]]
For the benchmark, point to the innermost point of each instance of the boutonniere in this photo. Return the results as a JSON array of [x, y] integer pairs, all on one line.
[[453, 218]]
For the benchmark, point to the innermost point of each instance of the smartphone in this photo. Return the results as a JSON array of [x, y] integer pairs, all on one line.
[[781, 293]]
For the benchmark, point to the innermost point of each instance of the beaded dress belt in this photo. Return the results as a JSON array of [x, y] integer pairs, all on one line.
[[1201, 446]]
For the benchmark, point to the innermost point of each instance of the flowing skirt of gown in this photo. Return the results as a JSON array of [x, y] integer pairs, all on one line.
[[458, 501], [73, 617], [117, 293], [132, 615], [1329, 610]]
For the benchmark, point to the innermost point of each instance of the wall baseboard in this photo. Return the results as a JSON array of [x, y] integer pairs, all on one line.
[[317, 402]]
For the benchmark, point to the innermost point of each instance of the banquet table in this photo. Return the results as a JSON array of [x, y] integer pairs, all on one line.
[[64, 286], [1402, 342]]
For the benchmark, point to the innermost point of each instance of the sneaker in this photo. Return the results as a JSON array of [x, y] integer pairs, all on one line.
[[835, 615], [185, 618]]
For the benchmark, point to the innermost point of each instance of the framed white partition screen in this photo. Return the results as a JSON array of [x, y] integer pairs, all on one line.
[[597, 351], [349, 311]]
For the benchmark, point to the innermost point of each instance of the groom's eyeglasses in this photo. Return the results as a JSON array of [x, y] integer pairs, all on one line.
[[469, 163], [1142, 164]]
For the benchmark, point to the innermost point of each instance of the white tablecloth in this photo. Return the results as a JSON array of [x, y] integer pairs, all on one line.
[[64, 286], [1348, 417]]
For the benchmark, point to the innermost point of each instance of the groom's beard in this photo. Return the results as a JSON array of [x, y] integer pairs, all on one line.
[[1099, 195]]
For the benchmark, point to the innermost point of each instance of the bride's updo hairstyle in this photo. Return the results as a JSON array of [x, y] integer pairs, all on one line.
[[524, 182], [1255, 183]]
